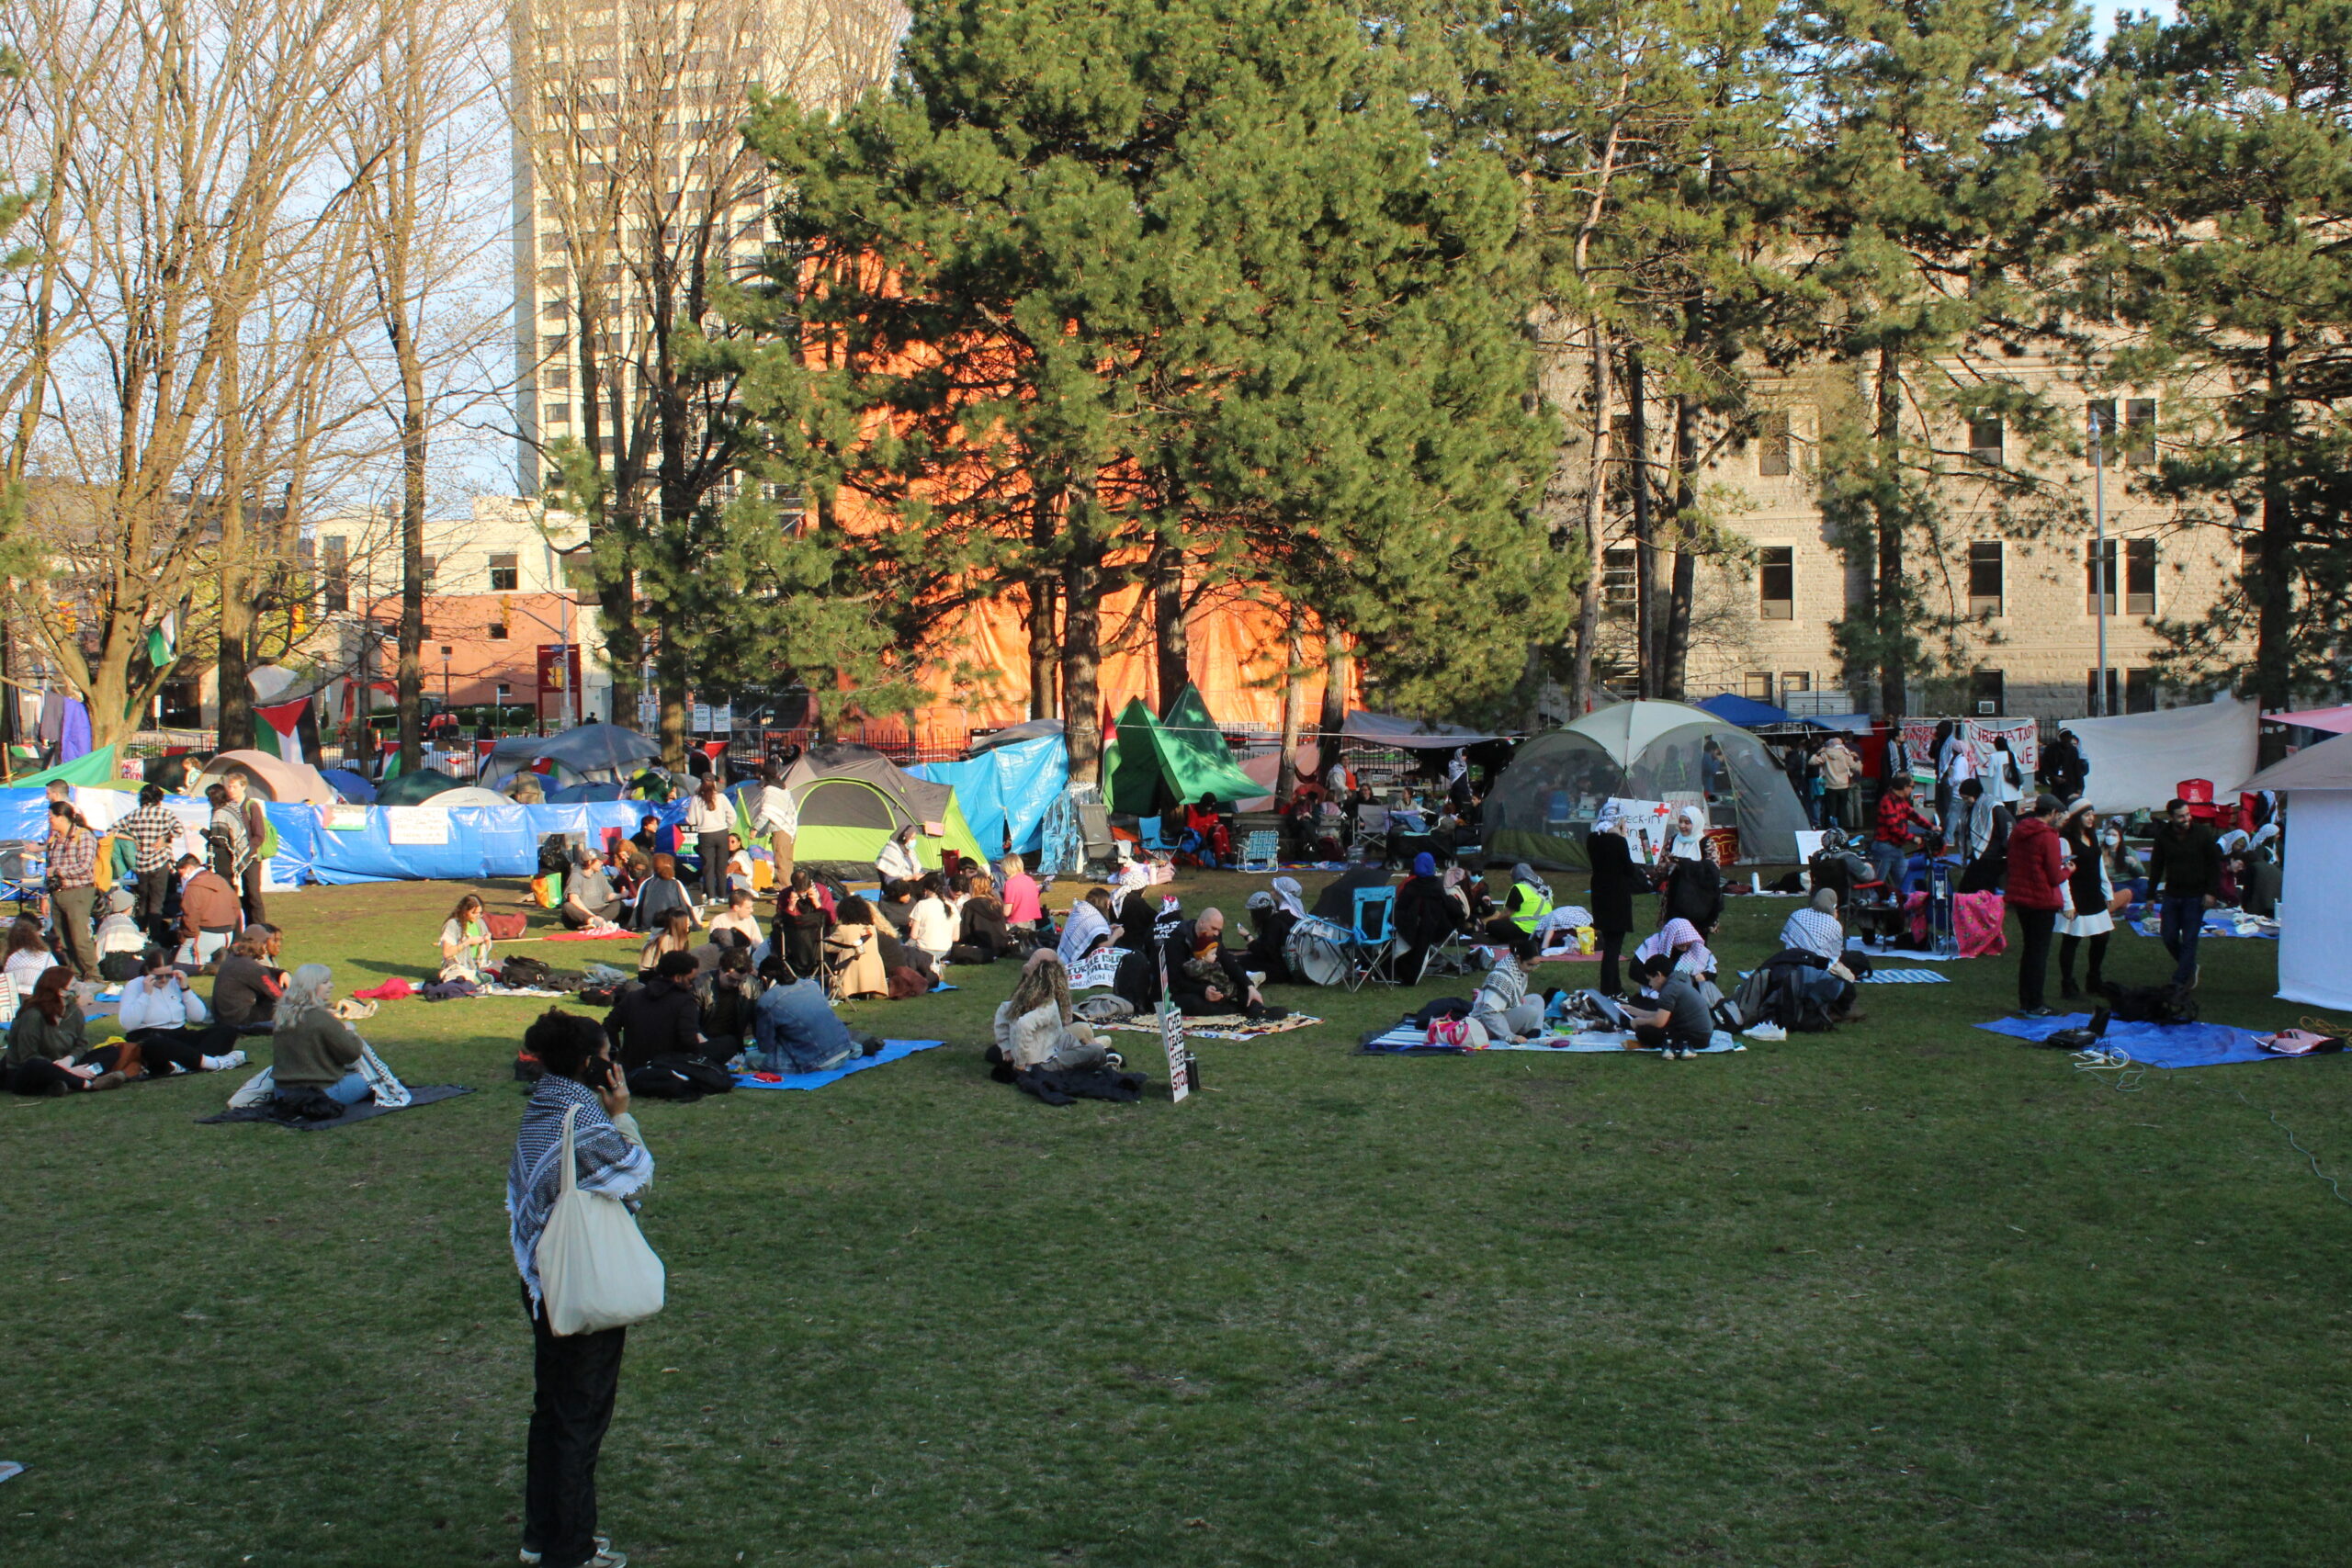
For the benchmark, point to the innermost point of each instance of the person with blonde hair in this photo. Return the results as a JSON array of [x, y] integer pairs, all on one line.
[[1024, 903], [312, 1049], [1036, 1028]]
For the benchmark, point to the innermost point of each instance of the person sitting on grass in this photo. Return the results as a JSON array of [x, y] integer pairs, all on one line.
[[727, 996], [738, 927], [121, 939], [465, 941], [794, 1027], [47, 1044], [29, 955], [661, 893], [1210, 981], [1025, 902], [738, 864], [247, 986], [898, 863], [590, 901], [983, 933], [888, 947], [1680, 1024], [675, 934], [1271, 920], [853, 950], [1680, 943], [312, 1050], [170, 1024], [211, 915], [931, 924], [1036, 1027], [1088, 927], [648, 837], [660, 1017]]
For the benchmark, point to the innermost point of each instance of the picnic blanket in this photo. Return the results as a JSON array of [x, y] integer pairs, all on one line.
[[614, 935], [892, 1050], [1908, 955], [2218, 923], [1221, 1026], [1412, 1040], [424, 1094], [1904, 978], [2151, 1044]]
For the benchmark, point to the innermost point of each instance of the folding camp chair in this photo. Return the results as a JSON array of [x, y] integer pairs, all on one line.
[[1261, 850], [1151, 832], [1094, 833], [1371, 936]]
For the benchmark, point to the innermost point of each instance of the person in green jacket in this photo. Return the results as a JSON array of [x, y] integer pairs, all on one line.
[[311, 1048], [46, 1044]]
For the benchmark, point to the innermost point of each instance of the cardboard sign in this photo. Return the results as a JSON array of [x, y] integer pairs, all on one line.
[[1171, 1035], [415, 825], [1649, 825], [1097, 969]]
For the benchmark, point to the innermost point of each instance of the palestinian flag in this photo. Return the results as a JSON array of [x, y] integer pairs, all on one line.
[[289, 731], [164, 642]]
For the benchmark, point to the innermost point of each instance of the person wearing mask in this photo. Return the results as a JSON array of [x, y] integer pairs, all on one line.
[[2184, 879], [1024, 903], [2090, 916], [803, 916], [312, 1049], [254, 819], [710, 819], [246, 987], [211, 915], [1088, 926], [898, 862], [29, 955], [776, 813], [465, 941], [170, 1024], [1615, 879], [794, 1028], [590, 900], [738, 927], [661, 893], [576, 1376], [1680, 1024], [152, 830], [660, 1017], [931, 923], [2036, 894], [47, 1044], [72, 852]]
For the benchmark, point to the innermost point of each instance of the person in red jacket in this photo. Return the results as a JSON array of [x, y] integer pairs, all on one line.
[[2037, 880]]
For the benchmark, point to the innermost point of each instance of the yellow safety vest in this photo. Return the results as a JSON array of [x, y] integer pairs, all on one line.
[[1532, 910]]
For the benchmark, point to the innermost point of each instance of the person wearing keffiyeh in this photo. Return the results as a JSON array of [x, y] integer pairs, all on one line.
[[577, 1375]]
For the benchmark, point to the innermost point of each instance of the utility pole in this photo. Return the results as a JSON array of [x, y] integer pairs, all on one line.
[[2103, 570]]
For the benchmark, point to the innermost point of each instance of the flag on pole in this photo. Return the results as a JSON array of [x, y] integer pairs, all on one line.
[[287, 731], [164, 641]]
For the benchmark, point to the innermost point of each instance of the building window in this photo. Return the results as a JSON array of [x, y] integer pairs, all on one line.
[[181, 704], [1772, 446], [1618, 575], [431, 564], [2139, 585], [505, 576], [1984, 584], [498, 631], [1984, 440], [1987, 693], [334, 573], [791, 507], [2133, 442], [1776, 577], [579, 573], [1759, 686], [2128, 690], [1795, 682]]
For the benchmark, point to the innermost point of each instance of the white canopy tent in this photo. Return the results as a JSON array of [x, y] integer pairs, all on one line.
[[2138, 760], [2314, 940]]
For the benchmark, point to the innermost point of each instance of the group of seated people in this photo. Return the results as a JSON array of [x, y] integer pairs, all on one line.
[[732, 1010]]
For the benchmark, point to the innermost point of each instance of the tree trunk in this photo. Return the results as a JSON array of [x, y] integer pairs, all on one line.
[[412, 632], [1339, 666], [1171, 648], [669, 683], [232, 666], [1293, 714], [1081, 657], [1887, 596], [2274, 672], [1596, 503], [1676, 653], [1646, 585], [1043, 656]]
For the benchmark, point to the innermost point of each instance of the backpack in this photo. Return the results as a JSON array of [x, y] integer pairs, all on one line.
[[680, 1077], [905, 983], [504, 928], [2151, 1004], [522, 972]]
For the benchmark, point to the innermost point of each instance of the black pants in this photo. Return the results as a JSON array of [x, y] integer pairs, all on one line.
[[575, 1378], [249, 893], [1673, 1040], [2094, 973], [712, 847], [610, 910], [1612, 944], [41, 1078], [2033, 958], [154, 892], [163, 1049]]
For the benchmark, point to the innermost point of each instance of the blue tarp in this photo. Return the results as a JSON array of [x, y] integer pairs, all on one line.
[[484, 840], [350, 785], [1006, 788], [1745, 712], [2156, 1044]]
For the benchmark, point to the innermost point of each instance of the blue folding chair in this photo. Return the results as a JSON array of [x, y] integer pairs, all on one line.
[[1261, 850], [1371, 934], [1152, 832]]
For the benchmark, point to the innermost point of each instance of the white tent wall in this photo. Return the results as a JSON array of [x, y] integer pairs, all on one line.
[[2138, 760], [2314, 940]]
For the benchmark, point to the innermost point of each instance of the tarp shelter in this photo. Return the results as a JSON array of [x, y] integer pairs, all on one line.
[[412, 789], [1407, 734], [90, 768], [1153, 763], [1544, 803], [852, 799], [1004, 790], [2138, 760], [1745, 712], [584, 752], [350, 785], [2315, 939], [273, 778], [1013, 734], [2335, 720]]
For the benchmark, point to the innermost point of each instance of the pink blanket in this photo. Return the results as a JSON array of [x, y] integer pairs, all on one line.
[[1978, 922]]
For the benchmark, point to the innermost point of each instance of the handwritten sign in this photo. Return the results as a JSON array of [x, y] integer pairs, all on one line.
[[1171, 1035], [415, 825]]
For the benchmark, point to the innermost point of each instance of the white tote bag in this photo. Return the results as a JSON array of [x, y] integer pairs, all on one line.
[[595, 1269]]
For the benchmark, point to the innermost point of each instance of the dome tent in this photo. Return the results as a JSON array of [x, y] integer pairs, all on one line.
[[852, 799], [1544, 802]]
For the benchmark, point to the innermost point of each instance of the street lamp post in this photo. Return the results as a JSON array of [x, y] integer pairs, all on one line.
[[2104, 570]]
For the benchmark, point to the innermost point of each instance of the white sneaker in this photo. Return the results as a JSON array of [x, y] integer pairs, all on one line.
[[1257, 976], [605, 1554], [234, 1059], [1767, 1032]]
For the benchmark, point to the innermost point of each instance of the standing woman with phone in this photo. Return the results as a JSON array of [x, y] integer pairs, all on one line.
[[576, 1376]]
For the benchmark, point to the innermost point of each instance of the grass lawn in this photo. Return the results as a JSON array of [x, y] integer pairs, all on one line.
[[1910, 1294]]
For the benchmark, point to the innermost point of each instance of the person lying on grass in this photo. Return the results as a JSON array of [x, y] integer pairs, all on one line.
[[47, 1044], [169, 1025], [1681, 1024]]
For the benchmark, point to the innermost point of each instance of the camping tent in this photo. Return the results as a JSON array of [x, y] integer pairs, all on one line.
[[2314, 940], [1004, 790], [1544, 803], [271, 777], [1407, 734], [350, 785], [414, 789], [583, 751], [2137, 761], [1013, 734], [470, 794], [852, 799], [2334, 720], [1154, 764]]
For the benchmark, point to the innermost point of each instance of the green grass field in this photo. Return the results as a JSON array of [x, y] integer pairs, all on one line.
[[1910, 1294]]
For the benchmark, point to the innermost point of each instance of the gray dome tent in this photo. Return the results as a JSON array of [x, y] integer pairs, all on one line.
[[1543, 804]]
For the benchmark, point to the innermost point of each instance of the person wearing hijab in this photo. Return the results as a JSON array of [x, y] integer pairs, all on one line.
[[1689, 832], [1271, 923], [1615, 878], [898, 863], [1087, 928], [1524, 907], [1694, 891], [2232, 845], [1424, 918], [1680, 941]]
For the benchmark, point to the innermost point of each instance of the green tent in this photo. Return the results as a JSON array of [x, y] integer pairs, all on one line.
[[89, 770], [1152, 763], [852, 799]]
